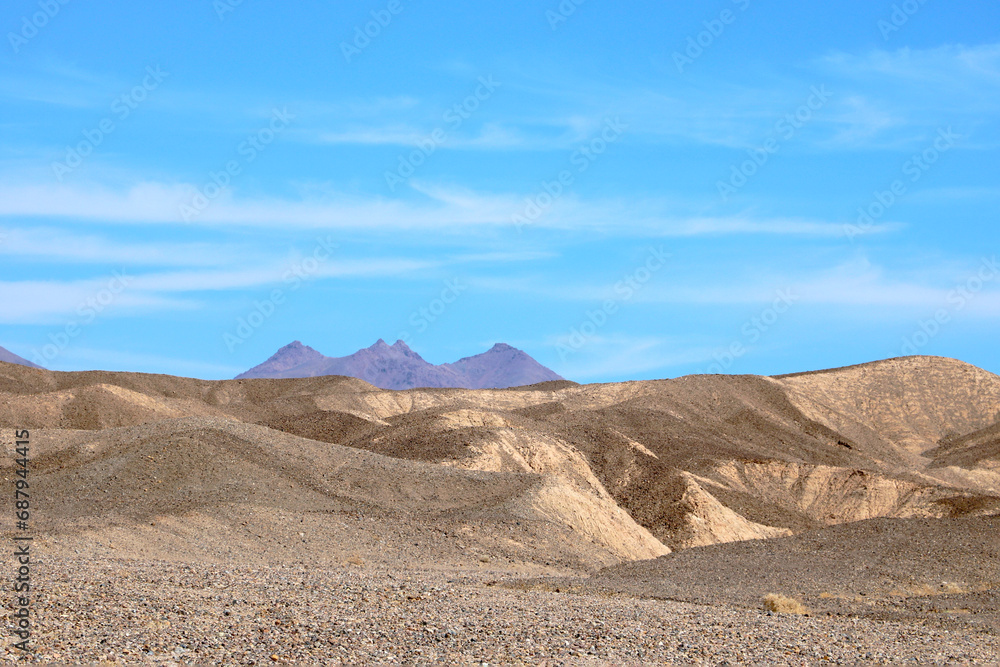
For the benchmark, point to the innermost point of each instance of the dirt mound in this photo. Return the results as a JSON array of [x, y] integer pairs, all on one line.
[[883, 568], [324, 426]]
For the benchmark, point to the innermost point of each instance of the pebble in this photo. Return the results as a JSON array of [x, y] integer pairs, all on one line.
[[160, 613]]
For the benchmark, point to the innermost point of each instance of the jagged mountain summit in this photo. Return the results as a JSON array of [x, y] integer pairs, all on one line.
[[398, 367], [11, 358]]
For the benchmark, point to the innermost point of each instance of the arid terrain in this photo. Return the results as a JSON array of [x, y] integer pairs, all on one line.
[[324, 521]]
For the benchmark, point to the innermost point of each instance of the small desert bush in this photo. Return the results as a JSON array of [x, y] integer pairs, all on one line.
[[781, 604]]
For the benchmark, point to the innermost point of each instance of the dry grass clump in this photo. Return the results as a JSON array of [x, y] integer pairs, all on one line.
[[782, 604]]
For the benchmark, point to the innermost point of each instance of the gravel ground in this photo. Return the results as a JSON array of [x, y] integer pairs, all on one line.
[[942, 571], [132, 612]]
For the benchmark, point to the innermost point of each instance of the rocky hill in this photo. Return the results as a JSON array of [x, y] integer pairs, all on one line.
[[585, 475]]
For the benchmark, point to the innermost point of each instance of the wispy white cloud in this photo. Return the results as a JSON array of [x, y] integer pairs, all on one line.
[[276, 273], [898, 98], [50, 301], [504, 257], [854, 283], [973, 70], [881, 98], [860, 121], [42, 244], [381, 136], [774, 226], [89, 358], [138, 292], [618, 355], [57, 301], [489, 136], [362, 108], [61, 83], [442, 208]]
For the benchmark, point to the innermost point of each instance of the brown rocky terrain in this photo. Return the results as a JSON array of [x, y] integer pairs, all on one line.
[[654, 486], [934, 570]]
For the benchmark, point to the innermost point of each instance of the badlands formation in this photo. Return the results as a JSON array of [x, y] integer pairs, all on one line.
[[322, 520]]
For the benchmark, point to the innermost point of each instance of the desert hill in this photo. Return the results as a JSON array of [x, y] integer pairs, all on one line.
[[219, 489], [887, 569], [903, 398], [399, 367], [575, 475]]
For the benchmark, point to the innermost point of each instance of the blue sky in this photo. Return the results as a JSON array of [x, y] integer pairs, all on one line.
[[624, 190]]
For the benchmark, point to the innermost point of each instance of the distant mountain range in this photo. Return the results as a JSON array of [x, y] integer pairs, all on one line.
[[398, 367], [11, 358]]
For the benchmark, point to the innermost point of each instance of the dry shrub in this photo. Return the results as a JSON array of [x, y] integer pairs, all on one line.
[[781, 604]]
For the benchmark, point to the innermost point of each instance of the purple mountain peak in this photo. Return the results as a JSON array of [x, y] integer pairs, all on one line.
[[11, 358], [399, 367]]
